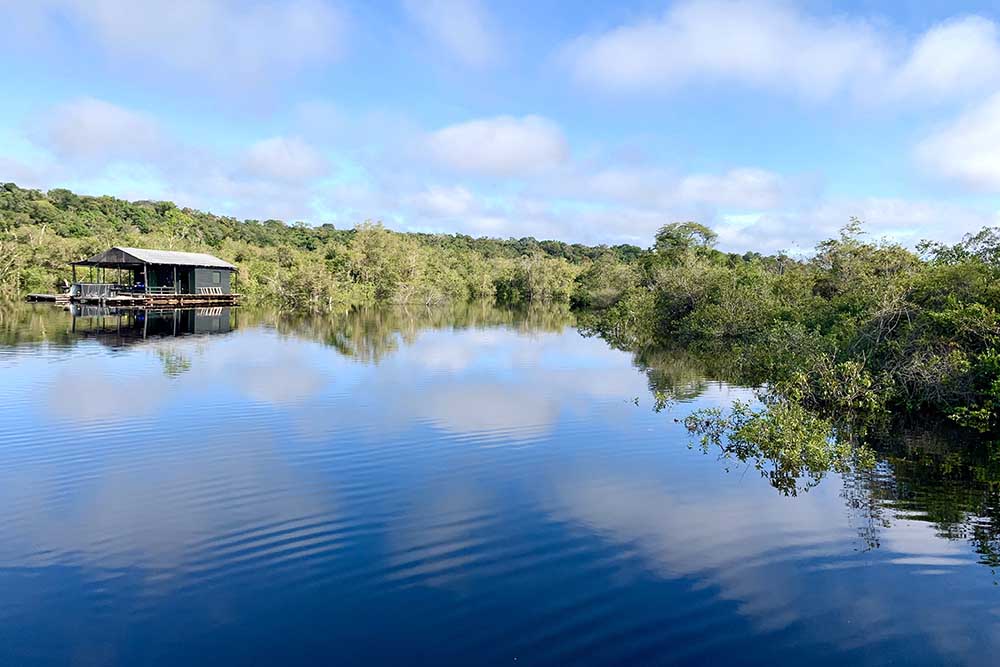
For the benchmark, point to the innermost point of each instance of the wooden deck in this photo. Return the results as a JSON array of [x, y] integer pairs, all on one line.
[[52, 298], [144, 300]]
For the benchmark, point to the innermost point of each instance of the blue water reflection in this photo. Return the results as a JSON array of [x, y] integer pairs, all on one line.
[[467, 486]]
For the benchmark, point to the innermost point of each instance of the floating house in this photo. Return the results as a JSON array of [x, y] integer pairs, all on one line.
[[139, 276]]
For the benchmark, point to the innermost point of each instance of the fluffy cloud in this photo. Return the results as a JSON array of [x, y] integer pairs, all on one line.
[[739, 188], [901, 220], [774, 46], [968, 150], [500, 146], [91, 129], [785, 219], [758, 43], [99, 147], [285, 159], [462, 27], [504, 177], [444, 202], [222, 40], [956, 57]]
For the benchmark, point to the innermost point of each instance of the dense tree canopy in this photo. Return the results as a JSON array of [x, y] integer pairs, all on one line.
[[294, 266], [862, 328]]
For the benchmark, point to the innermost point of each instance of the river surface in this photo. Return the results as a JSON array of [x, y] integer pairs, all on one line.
[[461, 486]]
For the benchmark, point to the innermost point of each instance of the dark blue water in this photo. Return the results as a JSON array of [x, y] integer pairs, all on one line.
[[444, 487]]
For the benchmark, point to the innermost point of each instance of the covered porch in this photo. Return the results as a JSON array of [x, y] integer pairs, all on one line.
[[129, 272]]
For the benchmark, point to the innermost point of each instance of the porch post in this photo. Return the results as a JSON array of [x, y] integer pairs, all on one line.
[[74, 273], [176, 287], [145, 281]]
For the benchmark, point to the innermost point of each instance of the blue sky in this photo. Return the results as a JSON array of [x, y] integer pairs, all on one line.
[[772, 121]]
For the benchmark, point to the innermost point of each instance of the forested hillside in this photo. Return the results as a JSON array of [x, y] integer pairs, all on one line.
[[287, 265]]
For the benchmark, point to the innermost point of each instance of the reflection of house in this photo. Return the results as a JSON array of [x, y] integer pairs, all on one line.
[[137, 276], [126, 326]]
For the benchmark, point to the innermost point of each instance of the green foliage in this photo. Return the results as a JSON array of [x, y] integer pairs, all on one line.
[[678, 239], [288, 266], [604, 282], [862, 328], [790, 446], [982, 414]]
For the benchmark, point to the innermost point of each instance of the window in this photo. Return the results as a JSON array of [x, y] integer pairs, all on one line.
[[216, 277]]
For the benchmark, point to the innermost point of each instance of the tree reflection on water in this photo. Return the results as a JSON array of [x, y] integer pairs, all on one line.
[[946, 478]]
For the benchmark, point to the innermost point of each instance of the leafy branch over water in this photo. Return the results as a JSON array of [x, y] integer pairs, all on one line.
[[783, 441], [861, 330]]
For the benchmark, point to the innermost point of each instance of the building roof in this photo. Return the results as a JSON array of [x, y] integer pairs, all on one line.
[[120, 256]]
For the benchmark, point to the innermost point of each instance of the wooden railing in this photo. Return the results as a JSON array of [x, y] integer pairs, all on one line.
[[94, 290], [111, 290]]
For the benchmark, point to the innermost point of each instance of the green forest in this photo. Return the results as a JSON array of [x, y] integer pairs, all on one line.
[[297, 266], [853, 336]]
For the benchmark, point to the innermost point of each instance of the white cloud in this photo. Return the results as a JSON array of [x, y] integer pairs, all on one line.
[[968, 150], [226, 41], [761, 44], [652, 186], [774, 218], [25, 174], [98, 147], [901, 220], [955, 57], [462, 27], [445, 202], [91, 129], [287, 159], [531, 187], [739, 188], [500, 146], [774, 46]]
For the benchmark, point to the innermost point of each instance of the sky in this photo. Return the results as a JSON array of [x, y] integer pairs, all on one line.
[[772, 121]]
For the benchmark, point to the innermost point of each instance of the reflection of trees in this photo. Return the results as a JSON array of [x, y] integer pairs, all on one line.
[[26, 323], [174, 361], [863, 492], [790, 446], [371, 334], [945, 478], [948, 478], [676, 374], [951, 483], [366, 334]]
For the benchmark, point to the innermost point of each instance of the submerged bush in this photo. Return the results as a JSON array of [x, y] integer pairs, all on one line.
[[792, 447], [861, 330]]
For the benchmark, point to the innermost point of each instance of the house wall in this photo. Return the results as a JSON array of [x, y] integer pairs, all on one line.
[[204, 278]]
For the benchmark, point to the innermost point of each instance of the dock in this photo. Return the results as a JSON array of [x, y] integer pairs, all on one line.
[[144, 278], [141, 300]]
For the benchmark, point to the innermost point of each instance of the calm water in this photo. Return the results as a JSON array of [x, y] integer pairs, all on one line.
[[463, 486]]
